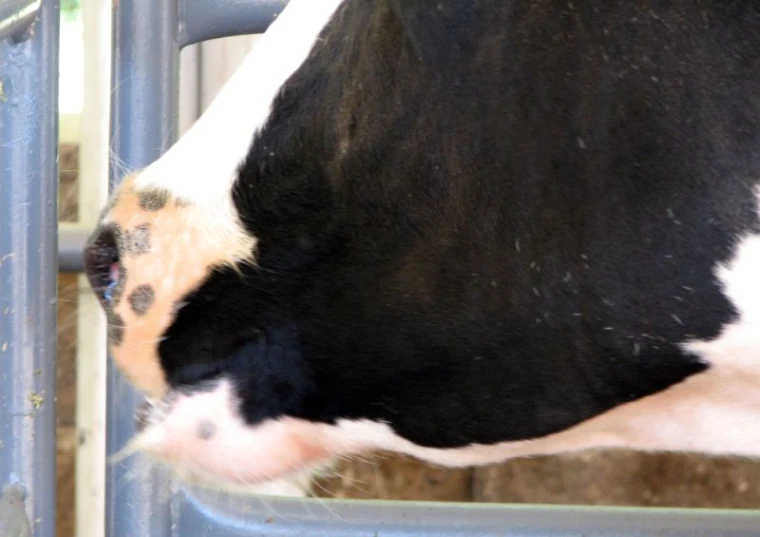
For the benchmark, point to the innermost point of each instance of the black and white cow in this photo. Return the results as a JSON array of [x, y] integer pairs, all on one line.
[[460, 230]]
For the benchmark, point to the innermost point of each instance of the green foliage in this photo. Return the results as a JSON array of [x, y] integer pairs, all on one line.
[[70, 8]]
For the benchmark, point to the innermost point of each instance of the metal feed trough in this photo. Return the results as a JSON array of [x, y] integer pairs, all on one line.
[[147, 38]]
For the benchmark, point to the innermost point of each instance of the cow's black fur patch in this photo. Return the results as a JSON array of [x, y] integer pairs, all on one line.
[[487, 221]]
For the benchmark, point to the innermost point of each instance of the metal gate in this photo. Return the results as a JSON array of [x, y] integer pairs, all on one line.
[[147, 38]]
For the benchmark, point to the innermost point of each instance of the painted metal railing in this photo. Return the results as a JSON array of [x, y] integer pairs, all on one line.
[[28, 251], [147, 38]]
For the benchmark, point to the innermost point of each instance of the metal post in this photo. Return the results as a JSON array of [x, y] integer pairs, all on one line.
[[28, 257], [144, 118]]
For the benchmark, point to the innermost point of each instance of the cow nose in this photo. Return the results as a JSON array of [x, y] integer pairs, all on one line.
[[101, 262]]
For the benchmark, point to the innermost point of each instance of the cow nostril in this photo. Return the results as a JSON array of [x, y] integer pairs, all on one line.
[[113, 280], [101, 259]]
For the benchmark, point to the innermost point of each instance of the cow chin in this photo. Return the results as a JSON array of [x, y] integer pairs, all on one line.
[[203, 439]]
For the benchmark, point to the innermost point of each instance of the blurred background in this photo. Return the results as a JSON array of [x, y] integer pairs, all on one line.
[[592, 478]]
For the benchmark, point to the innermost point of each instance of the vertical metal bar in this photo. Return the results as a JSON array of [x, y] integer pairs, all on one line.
[[144, 119], [28, 264]]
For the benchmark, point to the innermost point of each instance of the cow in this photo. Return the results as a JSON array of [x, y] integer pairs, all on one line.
[[464, 231]]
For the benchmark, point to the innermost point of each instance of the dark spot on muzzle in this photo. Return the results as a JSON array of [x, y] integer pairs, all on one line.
[[206, 430], [141, 299], [135, 242], [152, 200]]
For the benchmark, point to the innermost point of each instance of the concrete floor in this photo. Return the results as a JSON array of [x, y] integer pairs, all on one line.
[[602, 478]]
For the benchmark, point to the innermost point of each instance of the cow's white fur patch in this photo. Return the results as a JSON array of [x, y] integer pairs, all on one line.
[[204, 440]]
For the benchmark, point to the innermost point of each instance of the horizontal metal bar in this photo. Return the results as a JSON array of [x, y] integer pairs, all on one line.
[[16, 16], [71, 241], [201, 20], [229, 516]]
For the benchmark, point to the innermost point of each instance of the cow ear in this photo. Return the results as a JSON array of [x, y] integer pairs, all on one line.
[[434, 28]]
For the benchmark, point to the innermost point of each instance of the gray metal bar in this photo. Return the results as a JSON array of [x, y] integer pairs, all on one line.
[[16, 16], [201, 20], [275, 517], [28, 250], [144, 117], [71, 241]]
